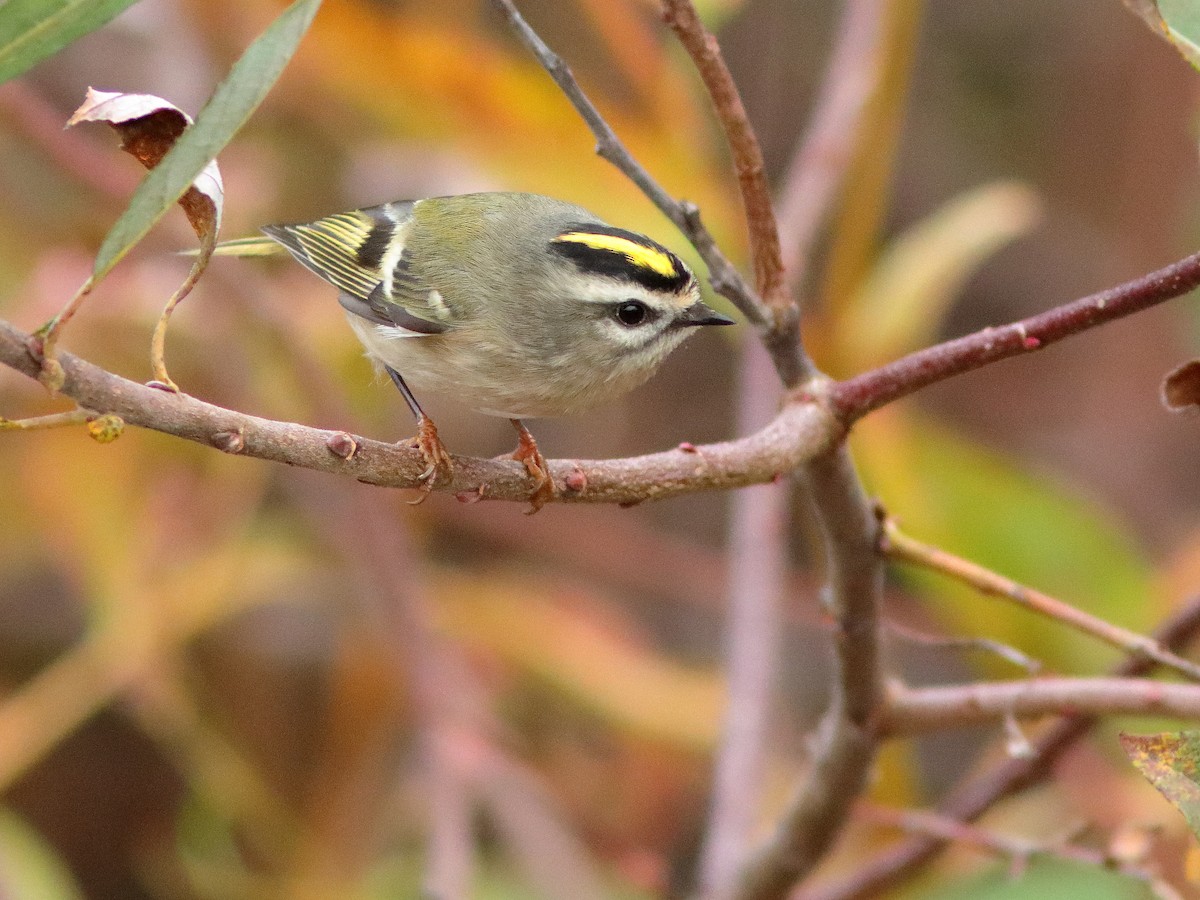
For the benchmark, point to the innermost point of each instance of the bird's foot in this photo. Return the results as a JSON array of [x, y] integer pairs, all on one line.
[[527, 452], [439, 467]]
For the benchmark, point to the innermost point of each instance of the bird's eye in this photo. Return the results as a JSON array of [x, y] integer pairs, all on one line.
[[632, 313]]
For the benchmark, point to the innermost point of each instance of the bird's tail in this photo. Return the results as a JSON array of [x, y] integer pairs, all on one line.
[[259, 245]]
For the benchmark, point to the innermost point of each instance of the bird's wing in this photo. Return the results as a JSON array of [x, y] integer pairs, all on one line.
[[362, 253]]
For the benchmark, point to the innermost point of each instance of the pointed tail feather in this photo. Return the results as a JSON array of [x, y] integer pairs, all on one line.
[[259, 245]]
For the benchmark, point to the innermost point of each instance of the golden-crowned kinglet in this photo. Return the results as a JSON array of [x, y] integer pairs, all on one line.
[[519, 304]]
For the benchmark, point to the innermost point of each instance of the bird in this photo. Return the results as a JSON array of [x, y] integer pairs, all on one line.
[[521, 305]]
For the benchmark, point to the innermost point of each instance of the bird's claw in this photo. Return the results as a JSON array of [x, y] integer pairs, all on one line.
[[439, 466], [527, 452]]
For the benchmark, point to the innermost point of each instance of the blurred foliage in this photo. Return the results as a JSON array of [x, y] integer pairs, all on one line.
[[218, 677], [1170, 762]]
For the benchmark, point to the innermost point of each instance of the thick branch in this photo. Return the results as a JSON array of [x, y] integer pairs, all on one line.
[[758, 550], [847, 739], [857, 396], [912, 711], [798, 433]]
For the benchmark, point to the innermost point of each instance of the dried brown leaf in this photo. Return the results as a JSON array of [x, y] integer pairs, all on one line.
[[149, 126], [1181, 387]]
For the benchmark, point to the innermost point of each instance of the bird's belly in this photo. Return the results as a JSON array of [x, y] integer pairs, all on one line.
[[489, 379]]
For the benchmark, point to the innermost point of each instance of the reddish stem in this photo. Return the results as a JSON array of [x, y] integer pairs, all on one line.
[[854, 398]]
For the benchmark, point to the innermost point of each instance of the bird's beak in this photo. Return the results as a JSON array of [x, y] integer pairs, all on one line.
[[700, 314]]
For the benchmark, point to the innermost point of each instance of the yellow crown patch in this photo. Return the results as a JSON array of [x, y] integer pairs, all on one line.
[[651, 258]]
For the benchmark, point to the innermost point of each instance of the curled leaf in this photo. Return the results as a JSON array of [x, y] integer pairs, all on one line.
[[149, 126], [1181, 387], [1170, 762]]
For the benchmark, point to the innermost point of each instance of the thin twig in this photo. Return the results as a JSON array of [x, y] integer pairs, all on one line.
[[987, 645], [900, 546], [1018, 851], [822, 160], [782, 337], [758, 572], [66, 419], [847, 739], [790, 363], [917, 710], [857, 396], [748, 165], [979, 793], [799, 432]]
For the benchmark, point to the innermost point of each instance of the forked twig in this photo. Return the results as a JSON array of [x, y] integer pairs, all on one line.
[[978, 793], [900, 546], [789, 359]]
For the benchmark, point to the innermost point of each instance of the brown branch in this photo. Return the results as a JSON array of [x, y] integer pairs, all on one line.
[[799, 432], [976, 795], [748, 163], [857, 396], [900, 546], [847, 739], [917, 710]]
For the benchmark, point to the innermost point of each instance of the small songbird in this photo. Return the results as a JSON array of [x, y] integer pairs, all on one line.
[[520, 305]]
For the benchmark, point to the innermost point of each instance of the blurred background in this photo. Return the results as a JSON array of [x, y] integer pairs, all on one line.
[[224, 678]]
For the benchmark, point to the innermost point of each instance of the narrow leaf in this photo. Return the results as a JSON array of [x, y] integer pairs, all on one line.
[[234, 100], [1170, 762], [900, 307], [1178, 21], [31, 30], [1183, 22], [149, 126]]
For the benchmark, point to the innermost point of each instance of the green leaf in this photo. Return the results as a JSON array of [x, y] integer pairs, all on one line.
[[1170, 762], [29, 867], [234, 100], [1176, 20], [1183, 27], [1044, 878], [900, 307], [949, 491], [31, 30]]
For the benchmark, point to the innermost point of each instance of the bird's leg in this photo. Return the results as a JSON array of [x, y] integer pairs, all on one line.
[[439, 466], [527, 452]]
